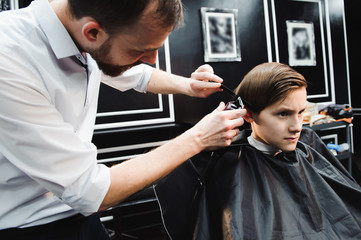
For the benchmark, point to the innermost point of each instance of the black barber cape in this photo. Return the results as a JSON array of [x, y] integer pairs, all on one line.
[[241, 193]]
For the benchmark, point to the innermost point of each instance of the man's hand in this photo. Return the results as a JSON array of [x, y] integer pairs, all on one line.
[[218, 128], [204, 82]]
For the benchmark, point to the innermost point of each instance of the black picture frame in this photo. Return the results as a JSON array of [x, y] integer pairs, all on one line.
[[220, 35], [301, 43], [5, 5]]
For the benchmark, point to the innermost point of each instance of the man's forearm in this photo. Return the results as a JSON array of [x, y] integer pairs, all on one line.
[[135, 174], [166, 83], [201, 84]]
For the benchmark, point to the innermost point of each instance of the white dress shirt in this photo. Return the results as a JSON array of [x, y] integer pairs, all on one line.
[[48, 102]]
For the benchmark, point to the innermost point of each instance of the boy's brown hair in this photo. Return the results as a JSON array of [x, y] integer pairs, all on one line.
[[267, 84]]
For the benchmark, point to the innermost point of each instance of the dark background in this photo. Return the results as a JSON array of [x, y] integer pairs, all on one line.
[[187, 48], [342, 50], [352, 13], [186, 52]]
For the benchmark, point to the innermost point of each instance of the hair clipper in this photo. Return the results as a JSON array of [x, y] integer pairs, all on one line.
[[235, 104]]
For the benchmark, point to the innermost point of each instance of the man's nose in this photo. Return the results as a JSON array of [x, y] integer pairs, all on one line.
[[150, 57]]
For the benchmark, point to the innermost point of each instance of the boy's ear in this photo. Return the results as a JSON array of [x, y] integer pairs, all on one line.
[[248, 117]]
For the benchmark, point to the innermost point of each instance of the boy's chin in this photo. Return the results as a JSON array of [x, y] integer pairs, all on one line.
[[289, 147]]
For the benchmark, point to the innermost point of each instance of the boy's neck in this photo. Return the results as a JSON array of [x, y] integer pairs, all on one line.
[[264, 148]]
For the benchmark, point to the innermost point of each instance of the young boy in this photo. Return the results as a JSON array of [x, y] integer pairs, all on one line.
[[277, 181]]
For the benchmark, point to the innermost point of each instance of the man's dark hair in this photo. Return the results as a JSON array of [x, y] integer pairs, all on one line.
[[115, 15]]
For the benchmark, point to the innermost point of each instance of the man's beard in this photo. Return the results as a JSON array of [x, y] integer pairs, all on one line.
[[115, 70], [100, 55]]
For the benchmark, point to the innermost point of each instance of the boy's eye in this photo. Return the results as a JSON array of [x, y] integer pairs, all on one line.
[[282, 114]]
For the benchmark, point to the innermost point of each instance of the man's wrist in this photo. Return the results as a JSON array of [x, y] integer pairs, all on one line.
[[193, 138]]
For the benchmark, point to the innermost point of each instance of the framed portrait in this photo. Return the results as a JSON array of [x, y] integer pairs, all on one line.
[[301, 43], [4, 5], [220, 35]]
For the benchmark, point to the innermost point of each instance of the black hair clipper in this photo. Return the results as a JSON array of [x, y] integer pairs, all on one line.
[[235, 104]]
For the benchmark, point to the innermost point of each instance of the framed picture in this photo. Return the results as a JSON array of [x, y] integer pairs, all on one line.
[[4, 5], [301, 43], [220, 38]]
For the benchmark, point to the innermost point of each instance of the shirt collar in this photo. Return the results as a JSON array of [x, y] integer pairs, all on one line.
[[59, 38], [267, 149]]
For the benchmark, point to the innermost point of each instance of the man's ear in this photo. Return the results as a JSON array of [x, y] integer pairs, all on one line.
[[93, 32]]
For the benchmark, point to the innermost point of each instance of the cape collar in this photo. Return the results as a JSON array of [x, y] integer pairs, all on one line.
[[266, 149]]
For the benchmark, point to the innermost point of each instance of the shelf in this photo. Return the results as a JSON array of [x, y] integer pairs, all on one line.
[[324, 126], [345, 156]]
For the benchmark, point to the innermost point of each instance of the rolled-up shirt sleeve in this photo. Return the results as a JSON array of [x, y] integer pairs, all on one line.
[[87, 193], [37, 144]]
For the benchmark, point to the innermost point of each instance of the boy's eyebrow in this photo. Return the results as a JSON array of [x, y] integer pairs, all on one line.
[[285, 108]]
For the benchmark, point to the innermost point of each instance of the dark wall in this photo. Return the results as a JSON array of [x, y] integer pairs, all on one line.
[[186, 51], [186, 48], [352, 12], [338, 33], [329, 19]]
